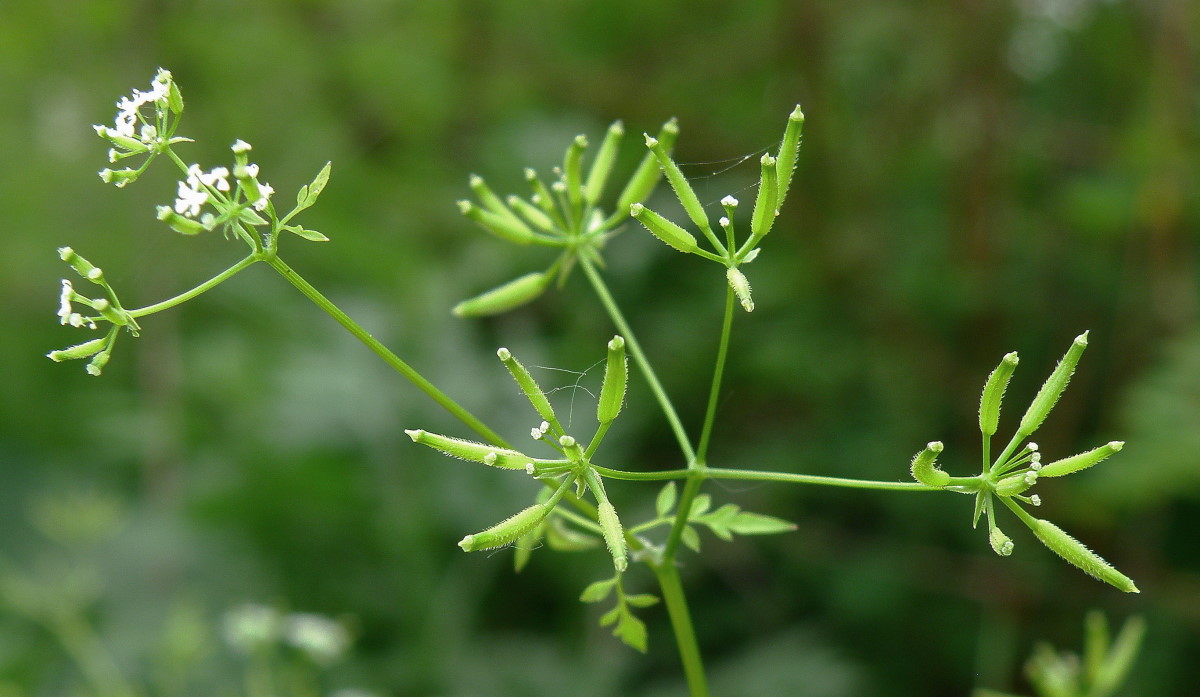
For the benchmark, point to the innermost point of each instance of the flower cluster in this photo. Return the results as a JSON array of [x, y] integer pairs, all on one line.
[[106, 309], [213, 186], [133, 133]]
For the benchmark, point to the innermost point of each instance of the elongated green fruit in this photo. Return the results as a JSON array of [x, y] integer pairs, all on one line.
[[647, 174], [505, 227], [1112, 672], [664, 229], [1016, 484], [572, 169], [766, 204], [541, 195], [741, 288], [614, 536], [87, 348], [1070, 465], [683, 190], [487, 197], [529, 386], [1053, 387], [1001, 543], [602, 167], [1079, 555], [470, 450], [616, 376], [923, 468], [531, 214], [503, 298], [82, 266], [993, 394], [785, 163], [507, 531]]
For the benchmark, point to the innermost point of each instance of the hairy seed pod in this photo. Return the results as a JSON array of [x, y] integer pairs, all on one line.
[[923, 468], [572, 170], [993, 394], [469, 450], [1053, 387], [664, 229], [1070, 465], [1079, 555], [505, 297], [1001, 543], [532, 214], [529, 386], [785, 162], [647, 174], [505, 227], [606, 157], [683, 190], [616, 376], [766, 204], [1014, 484], [507, 531], [614, 536], [741, 288], [87, 348]]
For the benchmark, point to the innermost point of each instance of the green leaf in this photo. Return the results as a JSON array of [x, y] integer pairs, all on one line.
[[700, 505], [610, 616], [595, 592], [632, 631], [307, 195], [690, 538], [746, 523], [311, 235], [641, 600], [666, 500]]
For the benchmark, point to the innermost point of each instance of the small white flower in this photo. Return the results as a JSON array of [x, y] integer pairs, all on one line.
[[240, 146], [1035, 500], [323, 639], [723, 222], [189, 200], [729, 201], [266, 190], [64, 302]]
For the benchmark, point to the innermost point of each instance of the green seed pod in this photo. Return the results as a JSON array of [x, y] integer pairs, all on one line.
[[507, 531], [925, 471], [541, 195], [602, 167], [741, 287], [616, 376], [1014, 484], [1071, 465], [1001, 543], [646, 176], [785, 163], [766, 204], [82, 266], [1053, 387], [993, 394], [1079, 555], [683, 190], [573, 170], [664, 229], [503, 298], [487, 197], [571, 448], [178, 223], [614, 536], [87, 348], [502, 226], [529, 386], [532, 214], [470, 450], [99, 361]]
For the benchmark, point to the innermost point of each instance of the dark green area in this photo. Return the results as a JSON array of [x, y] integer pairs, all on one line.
[[975, 178]]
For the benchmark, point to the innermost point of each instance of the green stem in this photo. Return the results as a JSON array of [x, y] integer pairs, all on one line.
[[681, 625], [718, 371], [789, 478], [639, 357], [388, 357], [203, 287]]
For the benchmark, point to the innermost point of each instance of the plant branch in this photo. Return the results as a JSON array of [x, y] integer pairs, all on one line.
[[202, 288]]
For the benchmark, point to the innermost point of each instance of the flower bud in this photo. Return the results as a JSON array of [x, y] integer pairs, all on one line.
[[602, 167], [1053, 387], [507, 531], [1079, 555], [616, 376], [529, 386], [469, 450], [503, 298], [614, 536], [664, 229], [993, 394], [1070, 465], [925, 471], [741, 287], [120, 177], [502, 226]]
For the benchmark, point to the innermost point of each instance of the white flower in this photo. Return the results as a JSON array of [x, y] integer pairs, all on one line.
[[189, 199], [729, 201], [323, 639], [240, 146], [64, 302], [266, 190]]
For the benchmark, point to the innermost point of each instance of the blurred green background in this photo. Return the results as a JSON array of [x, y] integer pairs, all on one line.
[[976, 178]]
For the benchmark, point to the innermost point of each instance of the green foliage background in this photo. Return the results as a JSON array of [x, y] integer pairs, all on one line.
[[976, 177]]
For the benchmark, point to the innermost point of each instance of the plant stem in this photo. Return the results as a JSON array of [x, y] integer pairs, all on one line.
[[718, 372], [788, 477], [639, 357], [203, 287], [386, 354], [681, 624]]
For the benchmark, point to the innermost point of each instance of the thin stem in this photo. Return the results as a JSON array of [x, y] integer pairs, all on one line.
[[203, 287], [718, 372], [659, 476], [681, 625], [386, 354], [614, 312], [789, 478]]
